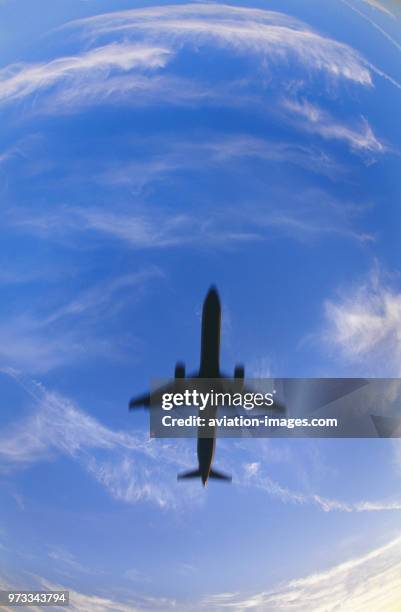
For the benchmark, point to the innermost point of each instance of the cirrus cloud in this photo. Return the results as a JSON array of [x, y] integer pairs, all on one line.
[[368, 582], [272, 34], [21, 80], [141, 40]]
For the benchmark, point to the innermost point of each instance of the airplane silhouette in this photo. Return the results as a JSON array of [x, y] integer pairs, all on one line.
[[209, 369]]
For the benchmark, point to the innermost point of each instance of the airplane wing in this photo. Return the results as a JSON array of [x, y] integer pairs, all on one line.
[[140, 400], [152, 398]]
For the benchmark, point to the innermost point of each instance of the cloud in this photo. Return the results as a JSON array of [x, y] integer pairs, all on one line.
[[21, 80], [56, 426], [381, 30], [106, 603], [167, 230], [310, 215], [315, 120], [31, 342], [146, 40], [304, 216], [90, 602], [140, 231], [364, 324], [137, 229], [271, 34], [9, 154], [77, 601], [245, 147], [225, 152], [302, 229], [25, 345], [254, 477], [128, 466], [135, 576], [186, 569], [65, 558], [134, 90], [162, 165], [101, 296], [379, 6], [370, 581]]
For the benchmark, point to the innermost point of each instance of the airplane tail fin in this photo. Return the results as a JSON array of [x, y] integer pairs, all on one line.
[[219, 475], [190, 474]]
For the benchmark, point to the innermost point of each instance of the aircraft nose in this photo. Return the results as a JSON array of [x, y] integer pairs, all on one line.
[[213, 295]]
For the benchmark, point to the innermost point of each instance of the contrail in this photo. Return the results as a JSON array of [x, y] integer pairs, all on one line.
[[373, 24], [384, 75]]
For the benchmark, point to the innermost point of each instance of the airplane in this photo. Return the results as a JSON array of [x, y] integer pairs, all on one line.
[[210, 369]]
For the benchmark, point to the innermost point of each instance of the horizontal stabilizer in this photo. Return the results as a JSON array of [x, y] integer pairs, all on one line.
[[191, 474], [219, 475]]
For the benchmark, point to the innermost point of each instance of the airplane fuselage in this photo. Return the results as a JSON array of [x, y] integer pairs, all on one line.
[[205, 449], [209, 368], [210, 338]]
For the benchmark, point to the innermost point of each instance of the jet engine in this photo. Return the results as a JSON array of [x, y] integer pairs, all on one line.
[[239, 371], [179, 370]]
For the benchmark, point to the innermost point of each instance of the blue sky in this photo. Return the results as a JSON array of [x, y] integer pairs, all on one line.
[[146, 152]]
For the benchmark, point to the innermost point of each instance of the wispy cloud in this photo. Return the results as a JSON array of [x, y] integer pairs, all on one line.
[[358, 137], [365, 325], [199, 154], [129, 466], [21, 80], [104, 295], [25, 345], [136, 576], [106, 603], [379, 6], [382, 31], [64, 558], [295, 226], [9, 154], [310, 215], [269, 33], [249, 147], [132, 89], [146, 40], [375, 25], [167, 230], [253, 476], [31, 341], [370, 581], [101, 601], [138, 228], [305, 217]]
